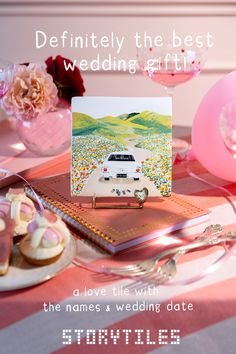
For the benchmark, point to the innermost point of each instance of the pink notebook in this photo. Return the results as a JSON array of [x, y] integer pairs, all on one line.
[[117, 229]]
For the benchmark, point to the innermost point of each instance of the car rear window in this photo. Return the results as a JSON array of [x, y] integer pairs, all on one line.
[[119, 157]]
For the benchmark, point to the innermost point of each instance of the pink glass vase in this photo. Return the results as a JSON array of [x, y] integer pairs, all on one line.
[[47, 135]]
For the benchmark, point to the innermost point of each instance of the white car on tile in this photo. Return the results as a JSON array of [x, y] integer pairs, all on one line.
[[121, 165]]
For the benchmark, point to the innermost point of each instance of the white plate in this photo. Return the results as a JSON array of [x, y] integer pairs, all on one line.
[[22, 274]]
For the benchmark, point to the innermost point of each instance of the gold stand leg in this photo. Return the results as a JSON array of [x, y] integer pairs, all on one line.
[[140, 197]]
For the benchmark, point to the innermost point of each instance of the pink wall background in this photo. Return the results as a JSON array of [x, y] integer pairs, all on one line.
[[20, 19]]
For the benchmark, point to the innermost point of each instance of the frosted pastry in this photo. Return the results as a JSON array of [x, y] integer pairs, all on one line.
[[6, 237], [18, 207], [47, 237]]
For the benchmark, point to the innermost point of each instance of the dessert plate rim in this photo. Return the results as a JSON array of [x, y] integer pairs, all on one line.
[[22, 275]]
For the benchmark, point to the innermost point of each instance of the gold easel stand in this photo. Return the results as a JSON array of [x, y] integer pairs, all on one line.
[[140, 196]]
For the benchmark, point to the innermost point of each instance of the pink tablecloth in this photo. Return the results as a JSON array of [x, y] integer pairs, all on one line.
[[208, 328]]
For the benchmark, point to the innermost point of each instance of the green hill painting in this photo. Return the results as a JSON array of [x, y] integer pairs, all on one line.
[[141, 133], [122, 127]]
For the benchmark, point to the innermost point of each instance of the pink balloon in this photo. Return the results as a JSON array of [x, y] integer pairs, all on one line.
[[208, 145]]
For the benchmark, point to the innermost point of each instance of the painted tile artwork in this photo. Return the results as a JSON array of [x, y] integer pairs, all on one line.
[[120, 145]]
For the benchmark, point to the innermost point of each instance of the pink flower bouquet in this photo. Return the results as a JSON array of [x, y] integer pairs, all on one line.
[[38, 88], [32, 92], [39, 97]]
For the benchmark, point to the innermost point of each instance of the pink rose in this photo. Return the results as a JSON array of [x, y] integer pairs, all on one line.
[[32, 92]]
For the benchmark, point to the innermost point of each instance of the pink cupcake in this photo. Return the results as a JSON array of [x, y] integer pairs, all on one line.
[[47, 237], [18, 207]]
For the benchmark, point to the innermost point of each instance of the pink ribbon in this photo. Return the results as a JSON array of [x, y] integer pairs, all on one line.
[[228, 251], [209, 270], [3, 170], [91, 267], [223, 189]]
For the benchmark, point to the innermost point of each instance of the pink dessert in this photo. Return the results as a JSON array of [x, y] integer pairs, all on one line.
[[47, 237], [18, 207], [6, 237]]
